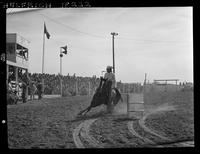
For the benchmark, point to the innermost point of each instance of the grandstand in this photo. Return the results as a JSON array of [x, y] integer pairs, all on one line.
[[17, 61]]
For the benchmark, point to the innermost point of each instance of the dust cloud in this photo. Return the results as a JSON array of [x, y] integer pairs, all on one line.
[[120, 109]]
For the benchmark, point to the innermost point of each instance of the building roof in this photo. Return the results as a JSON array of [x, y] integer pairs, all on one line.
[[16, 38]]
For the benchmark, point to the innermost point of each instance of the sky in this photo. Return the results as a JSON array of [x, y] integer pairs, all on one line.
[[153, 40]]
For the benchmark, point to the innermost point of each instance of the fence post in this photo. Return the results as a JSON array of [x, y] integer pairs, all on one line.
[[128, 105], [89, 89], [76, 87]]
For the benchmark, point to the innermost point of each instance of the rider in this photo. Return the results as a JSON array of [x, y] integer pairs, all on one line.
[[109, 76]]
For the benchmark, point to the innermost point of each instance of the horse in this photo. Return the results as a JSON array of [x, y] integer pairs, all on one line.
[[103, 96]]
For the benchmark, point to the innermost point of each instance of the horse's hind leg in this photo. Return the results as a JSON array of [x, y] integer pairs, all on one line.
[[88, 109], [81, 112]]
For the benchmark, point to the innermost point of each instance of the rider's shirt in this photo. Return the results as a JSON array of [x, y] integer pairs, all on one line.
[[111, 77]]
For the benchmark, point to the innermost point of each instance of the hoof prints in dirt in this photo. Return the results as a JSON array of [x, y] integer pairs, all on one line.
[[85, 134], [108, 133], [145, 134], [76, 136], [113, 134], [134, 133], [81, 135]]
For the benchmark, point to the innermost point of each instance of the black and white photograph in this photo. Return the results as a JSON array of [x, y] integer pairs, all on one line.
[[99, 77]]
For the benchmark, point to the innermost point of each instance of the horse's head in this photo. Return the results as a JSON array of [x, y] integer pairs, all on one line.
[[102, 81]]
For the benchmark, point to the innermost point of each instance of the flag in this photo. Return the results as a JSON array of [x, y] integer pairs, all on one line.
[[65, 48], [46, 32]]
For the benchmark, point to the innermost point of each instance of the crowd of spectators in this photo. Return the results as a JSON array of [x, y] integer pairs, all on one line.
[[76, 85], [71, 85]]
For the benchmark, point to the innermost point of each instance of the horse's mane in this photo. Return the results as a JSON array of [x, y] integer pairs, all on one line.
[[106, 86]]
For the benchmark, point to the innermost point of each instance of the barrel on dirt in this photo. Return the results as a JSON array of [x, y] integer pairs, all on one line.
[[135, 105]]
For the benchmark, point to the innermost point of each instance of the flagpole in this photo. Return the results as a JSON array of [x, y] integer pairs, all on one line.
[[43, 53], [61, 72], [43, 60]]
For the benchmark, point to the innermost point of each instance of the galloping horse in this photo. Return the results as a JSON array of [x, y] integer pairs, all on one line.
[[103, 96]]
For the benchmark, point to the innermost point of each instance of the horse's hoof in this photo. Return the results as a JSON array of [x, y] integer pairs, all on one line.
[[78, 115]]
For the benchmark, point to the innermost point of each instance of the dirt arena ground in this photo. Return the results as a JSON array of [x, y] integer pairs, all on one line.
[[52, 123]]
